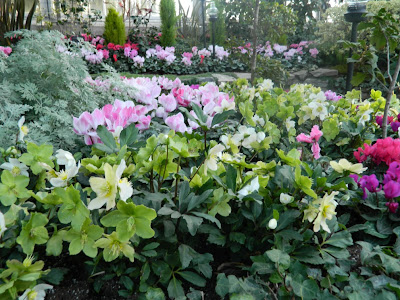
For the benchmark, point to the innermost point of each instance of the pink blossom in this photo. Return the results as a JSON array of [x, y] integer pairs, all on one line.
[[314, 52], [177, 123], [393, 206], [313, 139], [168, 102]]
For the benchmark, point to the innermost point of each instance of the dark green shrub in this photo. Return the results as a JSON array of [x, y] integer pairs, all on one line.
[[271, 69], [114, 28], [220, 27], [168, 22]]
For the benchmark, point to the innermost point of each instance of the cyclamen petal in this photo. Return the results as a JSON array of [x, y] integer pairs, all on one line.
[[316, 150], [304, 138]]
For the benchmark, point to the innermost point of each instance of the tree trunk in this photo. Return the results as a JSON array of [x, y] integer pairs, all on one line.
[[389, 97], [254, 56]]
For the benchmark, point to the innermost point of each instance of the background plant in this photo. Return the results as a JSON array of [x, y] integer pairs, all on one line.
[[114, 28], [168, 22]]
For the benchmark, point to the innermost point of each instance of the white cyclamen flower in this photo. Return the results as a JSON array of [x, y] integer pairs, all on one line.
[[23, 130], [266, 85], [36, 293], [272, 223], [285, 198], [249, 189], [15, 167], [289, 123]]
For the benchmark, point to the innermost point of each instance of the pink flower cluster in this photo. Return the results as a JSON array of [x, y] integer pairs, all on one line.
[[390, 183], [313, 139], [187, 58], [395, 125], [332, 96], [160, 97], [6, 50], [384, 150], [114, 117], [281, 51], [166, 54]]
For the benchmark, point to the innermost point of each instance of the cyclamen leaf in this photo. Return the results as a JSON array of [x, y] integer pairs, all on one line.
[[129, 135], [106, 137], [221, 117]]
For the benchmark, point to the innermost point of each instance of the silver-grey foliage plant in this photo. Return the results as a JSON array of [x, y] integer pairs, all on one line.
[[44, 79]]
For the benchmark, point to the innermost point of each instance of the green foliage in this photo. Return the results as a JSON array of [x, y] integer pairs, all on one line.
[[220, 26], [276, 21], [332, 27], [114, 28], [271, 69], [168, 23]]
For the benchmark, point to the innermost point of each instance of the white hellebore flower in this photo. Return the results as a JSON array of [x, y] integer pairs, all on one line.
[[65, 158], [266, 85], [272, 223], [285, 198], [211, 161], [249, 188], [15, 167], [107, 188], [36, 293], [125, 187], [23, 130], [345, 165], [225, 105], [65, 175], [321, 210], [289, 123], [2, 224]]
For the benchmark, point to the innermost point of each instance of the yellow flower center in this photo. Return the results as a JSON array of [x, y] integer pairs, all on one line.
[[63, 176], [16, 171], [24, 129], [32, 295]]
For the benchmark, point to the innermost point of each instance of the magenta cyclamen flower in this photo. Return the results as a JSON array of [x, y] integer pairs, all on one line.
[[395, 126], [391, 189], [392, 206], [313, 139], [370, 183]]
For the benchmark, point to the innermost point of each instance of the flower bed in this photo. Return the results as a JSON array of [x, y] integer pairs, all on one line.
[[177, 175]]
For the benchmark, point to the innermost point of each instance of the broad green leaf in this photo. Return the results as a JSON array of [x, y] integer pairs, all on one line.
[[129, 135], [106, 137], [280, 257], [193, 278], [175, 288]]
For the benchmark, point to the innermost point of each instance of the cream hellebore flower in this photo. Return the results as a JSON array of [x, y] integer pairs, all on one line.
[[125, 187], [289, 123], [36, 293], [63, 176], [272, 223], [15, 167], [23, 130], [225, 105], [266, 85], [325, 211], [3, 227], [249, 188], [345, 165], [285, 198], [107, 188], [211, 161]]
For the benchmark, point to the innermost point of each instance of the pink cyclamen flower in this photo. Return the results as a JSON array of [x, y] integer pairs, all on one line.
[[392, 189], [177, 123], [369, 183], [392, 206], [313, 139], [314, 52]]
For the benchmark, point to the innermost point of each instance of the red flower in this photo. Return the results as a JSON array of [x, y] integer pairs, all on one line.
[[202, 58], [111, 46], [118, 47], [115, 57], [384, 150], [99, 46]]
